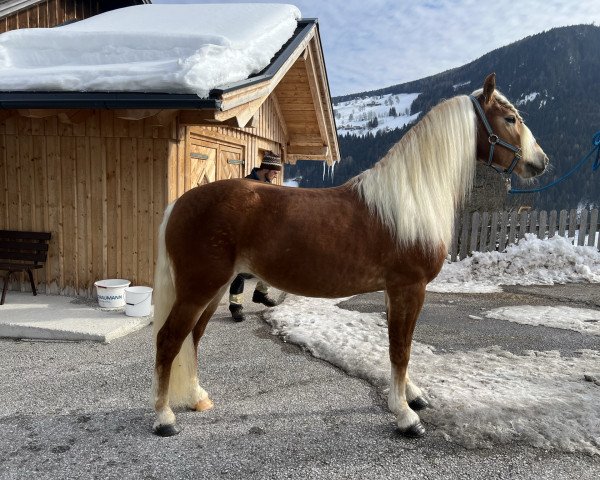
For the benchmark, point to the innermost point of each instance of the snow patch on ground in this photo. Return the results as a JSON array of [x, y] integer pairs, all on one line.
[[480, 398], [530, 262], [527, 98], [463, 84], [578, 319]]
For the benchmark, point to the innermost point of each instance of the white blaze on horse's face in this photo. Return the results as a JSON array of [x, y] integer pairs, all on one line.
[[509, 126], [534, 160]]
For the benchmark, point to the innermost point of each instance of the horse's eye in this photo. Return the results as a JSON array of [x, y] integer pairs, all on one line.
[[511, 119]]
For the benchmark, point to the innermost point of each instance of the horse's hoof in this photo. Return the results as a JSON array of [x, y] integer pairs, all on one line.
[[418, 403], [168, 430], [204, 405], [414, 431]]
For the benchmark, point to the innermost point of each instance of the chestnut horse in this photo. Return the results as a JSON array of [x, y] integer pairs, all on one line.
[[386, 229]]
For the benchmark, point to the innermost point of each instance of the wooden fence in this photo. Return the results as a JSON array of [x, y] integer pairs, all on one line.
[[486, 232]]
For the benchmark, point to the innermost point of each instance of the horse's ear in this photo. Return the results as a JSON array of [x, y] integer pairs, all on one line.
[[489, 85]]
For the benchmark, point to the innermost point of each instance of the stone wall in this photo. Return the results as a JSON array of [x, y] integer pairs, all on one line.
[[489, 192]]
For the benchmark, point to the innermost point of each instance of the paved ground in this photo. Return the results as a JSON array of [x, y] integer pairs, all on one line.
[[52, 317], [445, 324], [80, 410]]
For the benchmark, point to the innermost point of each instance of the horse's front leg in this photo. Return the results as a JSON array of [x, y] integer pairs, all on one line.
[[403, 308]]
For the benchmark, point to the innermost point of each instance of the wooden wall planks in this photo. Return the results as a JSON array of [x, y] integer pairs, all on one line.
[[101, 185], [101, 196], [50, 13]]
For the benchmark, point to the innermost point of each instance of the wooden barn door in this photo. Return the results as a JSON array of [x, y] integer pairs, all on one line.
[[211, 159], [231, 163], [203, 162]]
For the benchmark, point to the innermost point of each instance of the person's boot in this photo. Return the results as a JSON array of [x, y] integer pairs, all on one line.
[[260, 297], [237, 312]]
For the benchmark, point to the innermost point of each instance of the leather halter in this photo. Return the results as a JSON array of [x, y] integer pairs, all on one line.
[[495, 140]]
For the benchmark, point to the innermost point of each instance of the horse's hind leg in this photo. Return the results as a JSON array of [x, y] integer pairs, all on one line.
[[169, 341], [200, 400], [404, 305]]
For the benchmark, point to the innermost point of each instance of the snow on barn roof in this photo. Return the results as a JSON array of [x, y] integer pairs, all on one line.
[[148, 48]]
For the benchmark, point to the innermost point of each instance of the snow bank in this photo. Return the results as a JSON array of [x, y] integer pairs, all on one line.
[[530, 262]]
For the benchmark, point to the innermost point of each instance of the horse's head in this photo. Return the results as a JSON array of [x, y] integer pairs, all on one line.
[[503, 140]]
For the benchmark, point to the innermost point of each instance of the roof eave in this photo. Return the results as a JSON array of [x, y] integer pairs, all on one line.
[[104, 100], [273, 67], [14, 6]]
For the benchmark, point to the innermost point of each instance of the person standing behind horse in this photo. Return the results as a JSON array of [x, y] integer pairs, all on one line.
[[267, 172]]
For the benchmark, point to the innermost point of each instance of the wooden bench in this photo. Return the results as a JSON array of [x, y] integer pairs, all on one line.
[[22, 252]]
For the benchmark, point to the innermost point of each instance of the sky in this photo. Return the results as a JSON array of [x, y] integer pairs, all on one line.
[[377, 43], [488, 396]]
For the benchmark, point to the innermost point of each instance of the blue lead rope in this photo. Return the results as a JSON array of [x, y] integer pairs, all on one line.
[[595, 166]]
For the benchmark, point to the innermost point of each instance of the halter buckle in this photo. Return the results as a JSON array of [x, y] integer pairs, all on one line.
[[493, 138]]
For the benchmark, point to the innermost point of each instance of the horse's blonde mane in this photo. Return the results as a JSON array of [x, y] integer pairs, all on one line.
[[417, 186]]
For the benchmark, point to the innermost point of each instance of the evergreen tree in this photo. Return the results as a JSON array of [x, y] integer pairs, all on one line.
[[373, 123]]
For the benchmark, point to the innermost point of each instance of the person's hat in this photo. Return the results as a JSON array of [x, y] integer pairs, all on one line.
[[271, 161]]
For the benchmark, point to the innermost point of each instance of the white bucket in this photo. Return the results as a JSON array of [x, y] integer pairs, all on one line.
[[111, 293], [138, 301]]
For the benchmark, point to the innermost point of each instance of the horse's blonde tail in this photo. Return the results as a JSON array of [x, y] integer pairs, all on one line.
[[164, 288], [183, 384]]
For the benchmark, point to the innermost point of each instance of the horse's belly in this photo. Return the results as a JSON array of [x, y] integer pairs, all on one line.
[[323, 279]]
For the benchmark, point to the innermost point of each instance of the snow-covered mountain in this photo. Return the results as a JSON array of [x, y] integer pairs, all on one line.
[[371, 114]]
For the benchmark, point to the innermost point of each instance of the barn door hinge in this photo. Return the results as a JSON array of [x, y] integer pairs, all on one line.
[[235, 161], [199, 156]]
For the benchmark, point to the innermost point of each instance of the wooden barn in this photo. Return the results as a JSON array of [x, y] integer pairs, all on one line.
[[16, 14], [97, 169]]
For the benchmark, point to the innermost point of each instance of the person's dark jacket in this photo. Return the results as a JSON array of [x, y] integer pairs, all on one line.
[[254, 176]]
